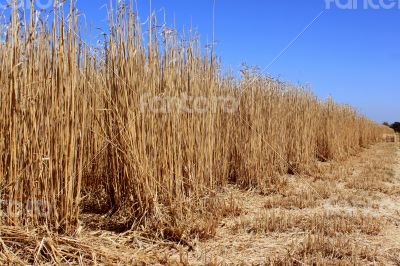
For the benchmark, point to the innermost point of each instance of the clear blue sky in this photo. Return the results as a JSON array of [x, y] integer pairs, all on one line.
[[352, 55]]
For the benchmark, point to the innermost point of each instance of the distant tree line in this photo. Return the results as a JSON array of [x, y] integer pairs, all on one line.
[[395, 126]]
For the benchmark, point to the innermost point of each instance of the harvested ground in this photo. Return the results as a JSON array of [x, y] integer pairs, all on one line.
[[345, 213]]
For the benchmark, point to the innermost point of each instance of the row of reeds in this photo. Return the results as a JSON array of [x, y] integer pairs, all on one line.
[[78, 120]]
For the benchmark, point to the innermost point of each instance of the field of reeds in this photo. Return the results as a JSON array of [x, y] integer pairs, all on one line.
[[101, 129]]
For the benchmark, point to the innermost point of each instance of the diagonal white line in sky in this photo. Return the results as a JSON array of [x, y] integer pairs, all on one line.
[[294, 40], [283, 51]]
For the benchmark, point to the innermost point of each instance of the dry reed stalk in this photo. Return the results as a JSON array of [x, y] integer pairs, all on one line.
[[71, 121]]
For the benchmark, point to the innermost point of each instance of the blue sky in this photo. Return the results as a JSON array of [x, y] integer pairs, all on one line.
[[351, 55]]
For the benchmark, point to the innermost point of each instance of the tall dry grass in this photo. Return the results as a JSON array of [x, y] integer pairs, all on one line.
[[74, 127]]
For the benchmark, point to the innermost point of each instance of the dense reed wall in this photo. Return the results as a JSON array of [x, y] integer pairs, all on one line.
[[146, 125]]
